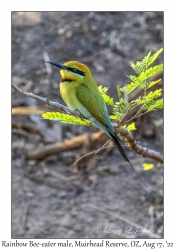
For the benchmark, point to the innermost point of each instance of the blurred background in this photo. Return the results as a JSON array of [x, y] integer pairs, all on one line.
[[51, 197]]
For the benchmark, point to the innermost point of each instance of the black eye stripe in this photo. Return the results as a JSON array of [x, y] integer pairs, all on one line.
[[79, 72]]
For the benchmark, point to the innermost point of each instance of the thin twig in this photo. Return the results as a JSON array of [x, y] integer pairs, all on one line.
[[40, 181], [135, 116], [97, 151], [59, 176], [93, 152], [24, 215], [121, 124]]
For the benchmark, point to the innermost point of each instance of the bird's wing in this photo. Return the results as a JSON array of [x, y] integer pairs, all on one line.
[[97, 108], [94, 104]]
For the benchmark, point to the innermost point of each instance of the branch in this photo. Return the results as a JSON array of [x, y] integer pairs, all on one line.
[[78, 141], [67, 145], [27, 110], [134, 146], [48, 102]]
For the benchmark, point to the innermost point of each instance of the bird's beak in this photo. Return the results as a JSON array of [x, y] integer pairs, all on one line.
[[59, 65]]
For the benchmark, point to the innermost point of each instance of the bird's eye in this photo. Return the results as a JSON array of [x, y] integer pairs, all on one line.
[[77, 71], [74, 70]]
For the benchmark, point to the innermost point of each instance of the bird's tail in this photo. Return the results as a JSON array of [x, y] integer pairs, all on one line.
[[116, 141]]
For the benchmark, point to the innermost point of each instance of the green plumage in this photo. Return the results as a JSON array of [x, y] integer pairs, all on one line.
[[85, 97], [80, 92], [97, 108]]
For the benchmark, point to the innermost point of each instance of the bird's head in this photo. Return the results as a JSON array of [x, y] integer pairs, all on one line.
[[72, 71]]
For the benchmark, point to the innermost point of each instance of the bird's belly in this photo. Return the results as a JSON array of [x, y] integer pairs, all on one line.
[[68, 94]]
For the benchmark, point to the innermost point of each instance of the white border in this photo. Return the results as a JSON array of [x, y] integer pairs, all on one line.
[[5, 107]]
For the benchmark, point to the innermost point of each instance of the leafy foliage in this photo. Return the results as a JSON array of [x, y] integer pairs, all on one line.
[[139, 81], [130, 127], [141, 66], [152, 58], [108, 99], [148, 101], [56, 116]]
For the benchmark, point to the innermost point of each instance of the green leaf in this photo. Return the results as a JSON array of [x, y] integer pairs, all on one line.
[[154, 57], [123, 90], [156, 104], [140, 100], [135, 79], [103, 90], [121, 106], [56, 116], [133, 104], [116, 107], [147, 166], [119, 93], [154, 94], [149, 101], [152, 83], [116, 117], [130, 87], [124, 105], [151, 72], [140, 80], [140, 66], [130, 127], [107, 99]]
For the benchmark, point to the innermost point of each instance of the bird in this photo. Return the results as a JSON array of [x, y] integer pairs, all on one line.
[[80, 92]]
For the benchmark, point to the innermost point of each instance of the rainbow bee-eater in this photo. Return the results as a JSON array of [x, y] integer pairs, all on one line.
[[80, 92]]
